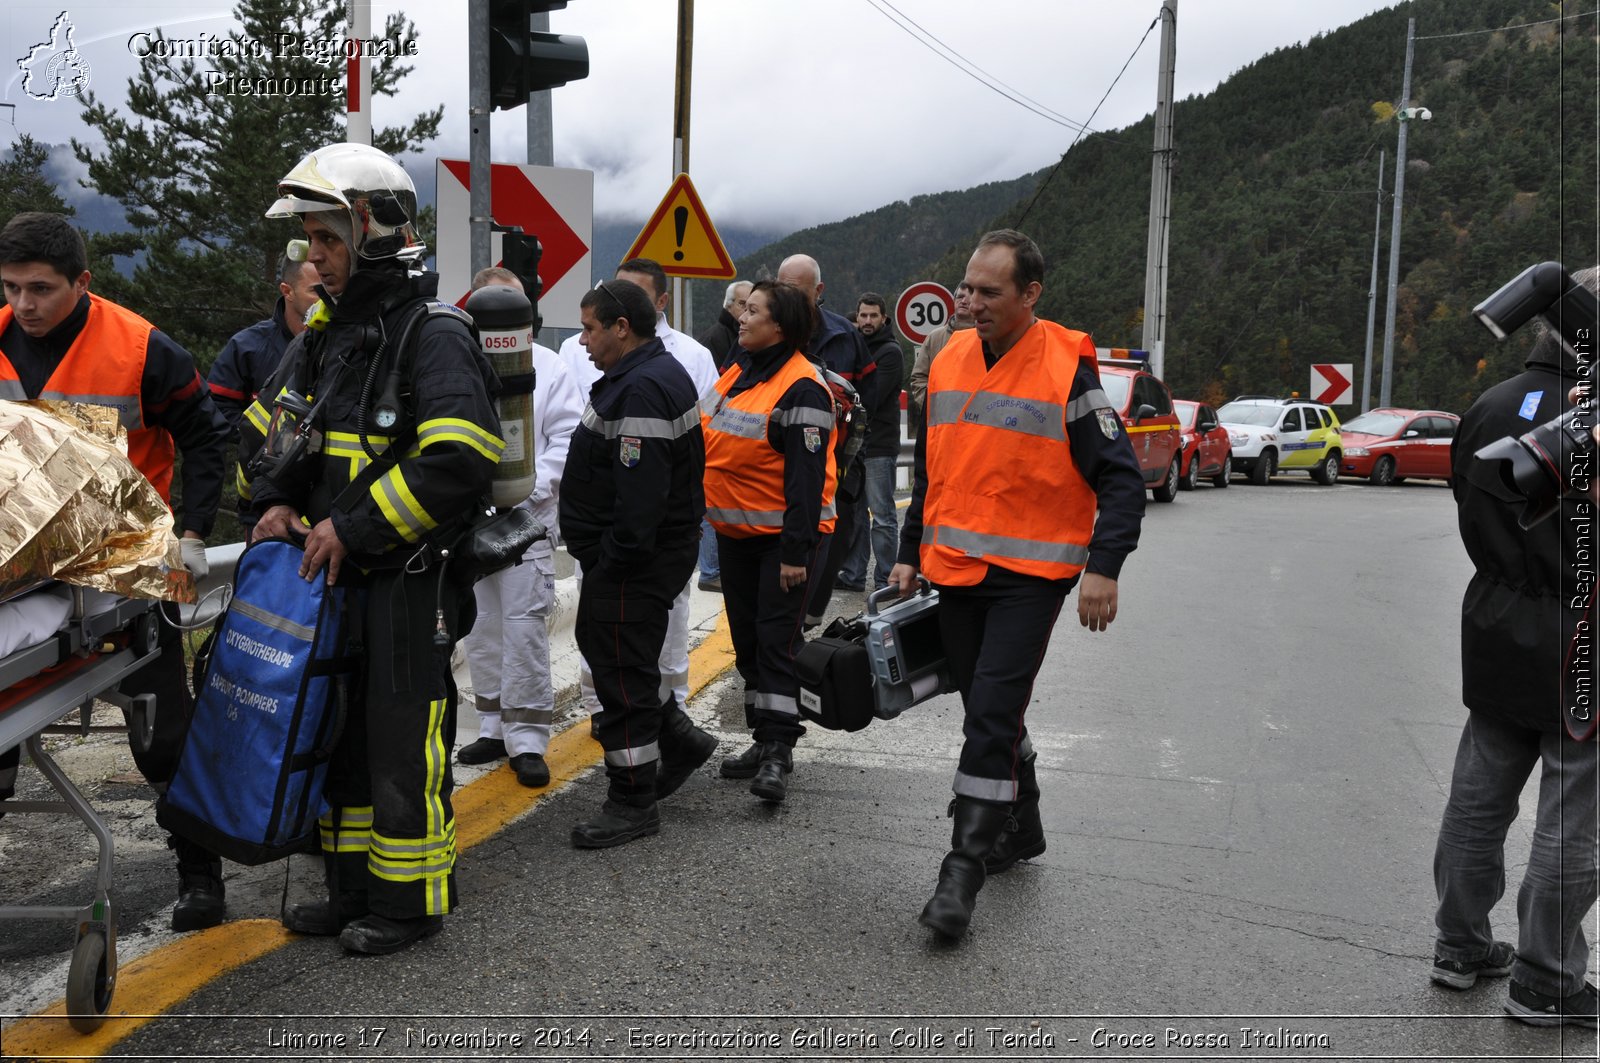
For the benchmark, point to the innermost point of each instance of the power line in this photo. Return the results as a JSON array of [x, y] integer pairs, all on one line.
[[966, 66], [1059, 162], [1503, 29]]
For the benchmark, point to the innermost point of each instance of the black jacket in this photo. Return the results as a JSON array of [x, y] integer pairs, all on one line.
[[1530, 588], [448, 418], [246, 361], [721, 338], [632, 486], [883, 423]]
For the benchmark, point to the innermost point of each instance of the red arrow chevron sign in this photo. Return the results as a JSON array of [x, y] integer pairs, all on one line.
[[1331, 383]]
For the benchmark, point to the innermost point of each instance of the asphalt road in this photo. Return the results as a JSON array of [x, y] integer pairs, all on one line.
[[1242, 783]]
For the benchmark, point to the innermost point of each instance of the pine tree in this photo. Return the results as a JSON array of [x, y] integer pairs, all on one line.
[[23, 184], [196, 166]]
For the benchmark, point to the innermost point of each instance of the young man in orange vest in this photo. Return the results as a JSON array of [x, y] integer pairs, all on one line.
[[57, 341], [1026, 486]]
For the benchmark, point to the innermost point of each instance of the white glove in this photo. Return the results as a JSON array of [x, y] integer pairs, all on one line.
[[194, 557]]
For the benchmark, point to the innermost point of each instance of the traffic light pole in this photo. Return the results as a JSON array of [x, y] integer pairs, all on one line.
[[478, 210], [541, 127]]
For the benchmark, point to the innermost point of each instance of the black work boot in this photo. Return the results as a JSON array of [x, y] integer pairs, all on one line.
[[1023, 836], [629, 811], [744, 765], [325, 917], [771, 782], [201, 898], [379, 935], [684, 747], [977, 825]]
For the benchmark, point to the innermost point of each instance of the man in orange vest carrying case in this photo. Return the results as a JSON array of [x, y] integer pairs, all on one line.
[[1025, 485], [57, 341]]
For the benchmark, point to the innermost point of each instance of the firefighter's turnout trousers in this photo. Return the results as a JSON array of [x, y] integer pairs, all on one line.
[[390, 827]]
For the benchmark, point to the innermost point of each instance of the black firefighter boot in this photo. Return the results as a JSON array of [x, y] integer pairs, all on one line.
[[629, 811], [201, 898], [977, 825], [772, 773], [329, 915], [1023, 837], [684, 747]]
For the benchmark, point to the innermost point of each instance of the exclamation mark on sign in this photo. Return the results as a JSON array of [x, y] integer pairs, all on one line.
[[680, 222]]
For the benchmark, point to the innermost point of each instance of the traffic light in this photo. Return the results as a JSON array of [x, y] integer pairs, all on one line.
[[522, 61], [520, 253]]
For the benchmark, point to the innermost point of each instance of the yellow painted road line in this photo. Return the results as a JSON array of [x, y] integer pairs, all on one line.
[[161, 980], [148, 986]]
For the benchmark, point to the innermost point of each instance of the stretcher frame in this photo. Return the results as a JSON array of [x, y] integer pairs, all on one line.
[[89, 656]]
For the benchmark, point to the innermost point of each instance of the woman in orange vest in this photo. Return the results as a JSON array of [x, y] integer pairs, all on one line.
[[769, 487]]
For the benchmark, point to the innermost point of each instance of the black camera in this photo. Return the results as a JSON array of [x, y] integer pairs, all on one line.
[[1540, 466]]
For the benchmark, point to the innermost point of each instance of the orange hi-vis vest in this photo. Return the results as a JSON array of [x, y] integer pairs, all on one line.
[[1002, 487], [105, 367], [744, 474]]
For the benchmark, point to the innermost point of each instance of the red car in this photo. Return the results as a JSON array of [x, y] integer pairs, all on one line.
[[1146, 408], [1206, 450], [1388, 445]]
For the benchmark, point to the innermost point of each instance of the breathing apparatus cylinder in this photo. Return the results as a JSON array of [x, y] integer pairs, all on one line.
[[504, 318]]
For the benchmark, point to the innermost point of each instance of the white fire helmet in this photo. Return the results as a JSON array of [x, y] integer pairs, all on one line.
[[375, 201]]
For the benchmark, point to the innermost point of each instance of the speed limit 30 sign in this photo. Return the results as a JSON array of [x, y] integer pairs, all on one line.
[[923, 307]]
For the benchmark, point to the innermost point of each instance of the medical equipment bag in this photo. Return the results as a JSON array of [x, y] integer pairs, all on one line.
[[268, 710]]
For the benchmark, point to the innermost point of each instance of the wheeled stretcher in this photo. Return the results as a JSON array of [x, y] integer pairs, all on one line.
[[53, 672]]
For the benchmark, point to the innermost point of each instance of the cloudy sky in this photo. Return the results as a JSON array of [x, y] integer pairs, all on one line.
[[804, 111]]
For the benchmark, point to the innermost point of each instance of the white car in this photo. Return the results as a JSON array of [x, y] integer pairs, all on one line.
[[1269, 435]]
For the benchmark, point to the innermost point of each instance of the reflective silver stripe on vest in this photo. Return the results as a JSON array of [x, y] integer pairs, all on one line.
[[984, 789], [12, 390], [746, 424], [1087, 403], [127, 408], [632, 758], [946, 406], [642, 427], [976, 544], [709, 404], [761, 518], [804, 415], [1029, 416], [273, 620], [779, 703]]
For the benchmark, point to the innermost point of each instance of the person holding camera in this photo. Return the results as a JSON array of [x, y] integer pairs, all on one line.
[[1520, 626]]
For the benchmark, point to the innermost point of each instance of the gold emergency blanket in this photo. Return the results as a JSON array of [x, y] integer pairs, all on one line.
[[74, 508]]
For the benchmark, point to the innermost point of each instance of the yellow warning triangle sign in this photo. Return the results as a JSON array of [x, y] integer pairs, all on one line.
[[680, 236]]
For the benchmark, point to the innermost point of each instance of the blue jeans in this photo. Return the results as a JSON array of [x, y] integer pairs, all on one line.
[[879, 494], [709, 568], [1493, 763]]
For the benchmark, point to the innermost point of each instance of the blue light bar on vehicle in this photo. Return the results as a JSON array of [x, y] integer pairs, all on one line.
[[1121, 354]]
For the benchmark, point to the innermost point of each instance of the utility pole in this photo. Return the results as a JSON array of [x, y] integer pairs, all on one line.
[[541, 127], [358, 77], [680, 138], [1394, 232], [478, 209], [1372, 293], [1155, 270]]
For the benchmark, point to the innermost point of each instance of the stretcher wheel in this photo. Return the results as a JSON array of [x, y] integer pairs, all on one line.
[[89, 983]]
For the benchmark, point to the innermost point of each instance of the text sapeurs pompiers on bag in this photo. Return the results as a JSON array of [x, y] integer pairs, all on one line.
[[268, 710]]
